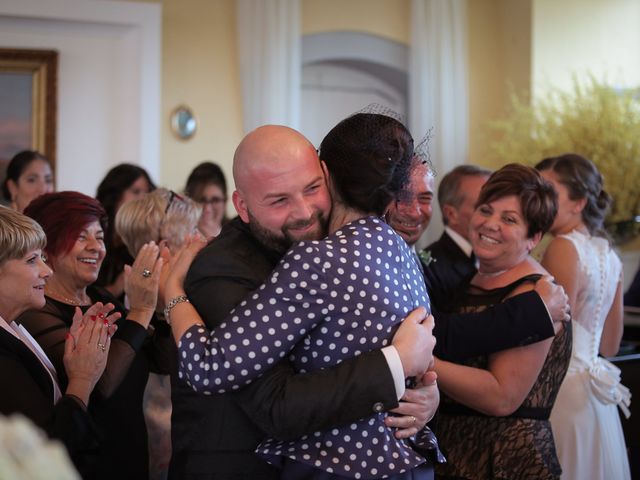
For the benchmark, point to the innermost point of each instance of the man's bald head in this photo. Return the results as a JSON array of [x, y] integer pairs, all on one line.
[[268, 147], [281, 190]]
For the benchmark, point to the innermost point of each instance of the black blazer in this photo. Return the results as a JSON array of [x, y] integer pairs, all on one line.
[[216, 435], [449, 268], [632, 297], [28, 390]]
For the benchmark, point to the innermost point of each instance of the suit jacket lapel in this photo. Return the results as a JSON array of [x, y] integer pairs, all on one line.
[[462, 264]]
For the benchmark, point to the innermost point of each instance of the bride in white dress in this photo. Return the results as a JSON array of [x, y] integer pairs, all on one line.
[[585, 422]]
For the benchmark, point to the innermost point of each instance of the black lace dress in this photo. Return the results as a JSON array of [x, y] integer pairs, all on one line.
[[519, 446]]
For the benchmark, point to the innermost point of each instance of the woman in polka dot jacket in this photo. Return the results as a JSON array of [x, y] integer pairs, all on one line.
[[327, 301]]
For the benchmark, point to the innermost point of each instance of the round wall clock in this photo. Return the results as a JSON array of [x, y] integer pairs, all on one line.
[[183, 122]]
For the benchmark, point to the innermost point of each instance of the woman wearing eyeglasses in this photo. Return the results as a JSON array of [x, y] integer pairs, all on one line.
[[207, 186], [75, 227]]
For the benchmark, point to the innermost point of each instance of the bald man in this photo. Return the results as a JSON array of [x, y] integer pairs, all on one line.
[[281, 198]]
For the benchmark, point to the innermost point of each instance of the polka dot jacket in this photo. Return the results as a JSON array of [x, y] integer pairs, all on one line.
[[326, 301]]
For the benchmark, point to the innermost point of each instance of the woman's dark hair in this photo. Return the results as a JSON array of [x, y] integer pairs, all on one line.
[[538, 198], [62, 216], [369, 157], [583, 180], [202, 175], [18, 163], [110, 192], [115, 183]]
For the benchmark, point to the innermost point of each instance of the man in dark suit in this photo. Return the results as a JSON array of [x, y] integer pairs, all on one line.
[[449, 261], [632, 296]]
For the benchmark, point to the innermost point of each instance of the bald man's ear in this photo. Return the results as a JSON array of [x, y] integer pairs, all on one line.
[[327, 177], [241, 206], [325, 170]]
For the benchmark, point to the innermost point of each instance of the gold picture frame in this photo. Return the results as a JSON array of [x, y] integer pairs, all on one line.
[[28, 121]]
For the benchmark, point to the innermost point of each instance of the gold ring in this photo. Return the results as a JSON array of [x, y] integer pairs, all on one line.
[[102, 346]]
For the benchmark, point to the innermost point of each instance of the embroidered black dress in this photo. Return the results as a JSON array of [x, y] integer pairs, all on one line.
[[518, 446]]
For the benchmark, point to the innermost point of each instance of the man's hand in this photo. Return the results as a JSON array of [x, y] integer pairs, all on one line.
[[414, 342], [556, 300], [417, 407]]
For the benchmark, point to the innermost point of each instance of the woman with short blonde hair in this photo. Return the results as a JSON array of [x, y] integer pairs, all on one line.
[[29, 379], [160, 216]]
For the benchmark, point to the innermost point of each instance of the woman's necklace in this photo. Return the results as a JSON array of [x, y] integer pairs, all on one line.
[[64, 299], [492, 274]]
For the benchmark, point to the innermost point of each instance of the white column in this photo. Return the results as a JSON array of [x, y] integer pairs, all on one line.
[[270, 63], [438, 95]]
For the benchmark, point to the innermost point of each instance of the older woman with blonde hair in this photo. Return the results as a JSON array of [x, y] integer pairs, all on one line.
[[161, 216], [29, 378], [166, 218]]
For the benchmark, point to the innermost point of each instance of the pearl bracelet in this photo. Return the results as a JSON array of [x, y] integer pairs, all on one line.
[[172, 303]]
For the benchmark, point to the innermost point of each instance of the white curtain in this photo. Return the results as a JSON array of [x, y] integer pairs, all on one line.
[[438, 94], [270, 62]]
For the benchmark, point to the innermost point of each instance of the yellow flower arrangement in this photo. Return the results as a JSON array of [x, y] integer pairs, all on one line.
[[593, 120]]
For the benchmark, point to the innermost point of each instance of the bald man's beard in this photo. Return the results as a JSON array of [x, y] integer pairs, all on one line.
[[283, 239]]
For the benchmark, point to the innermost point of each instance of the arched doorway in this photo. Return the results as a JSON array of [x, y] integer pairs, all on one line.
[[342, 72]]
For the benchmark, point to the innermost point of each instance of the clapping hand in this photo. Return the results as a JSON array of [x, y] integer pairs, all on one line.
[[86, 348], [141, 282], [179, 266]]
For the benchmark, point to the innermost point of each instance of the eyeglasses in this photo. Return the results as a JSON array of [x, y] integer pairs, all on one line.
[[211, 201], [172, 197]]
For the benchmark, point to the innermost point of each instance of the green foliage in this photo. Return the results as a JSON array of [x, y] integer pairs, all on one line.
[[592, 120]]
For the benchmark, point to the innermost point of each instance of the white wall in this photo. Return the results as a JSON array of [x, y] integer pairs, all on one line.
[[108, 81], [601, 37]]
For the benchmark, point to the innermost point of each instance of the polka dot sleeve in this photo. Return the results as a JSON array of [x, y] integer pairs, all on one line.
[[262, 329]]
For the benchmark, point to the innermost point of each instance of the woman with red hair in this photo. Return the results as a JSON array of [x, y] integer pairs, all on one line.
[[75, 224]]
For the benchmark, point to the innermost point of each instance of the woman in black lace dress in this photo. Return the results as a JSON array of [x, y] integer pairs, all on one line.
[[494, 420]]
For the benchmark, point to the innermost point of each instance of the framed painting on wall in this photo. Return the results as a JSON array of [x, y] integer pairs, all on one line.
[[28, 102]]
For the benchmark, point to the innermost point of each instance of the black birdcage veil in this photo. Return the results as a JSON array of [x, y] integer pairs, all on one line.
[[369, 155]]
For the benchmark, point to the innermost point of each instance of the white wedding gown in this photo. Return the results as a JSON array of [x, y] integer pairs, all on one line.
[[585, 422]]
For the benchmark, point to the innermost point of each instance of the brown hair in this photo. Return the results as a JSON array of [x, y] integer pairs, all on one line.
[[538, 198], [583, 180]]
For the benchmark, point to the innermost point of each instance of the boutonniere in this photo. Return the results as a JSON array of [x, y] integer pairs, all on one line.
[[425, 256]]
